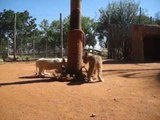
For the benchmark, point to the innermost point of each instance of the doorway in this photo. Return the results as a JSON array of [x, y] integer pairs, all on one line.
[[151, 47]]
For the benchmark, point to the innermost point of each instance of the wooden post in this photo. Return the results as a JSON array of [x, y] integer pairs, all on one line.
[[61, 34], [14, 41], [140, 15], [34, 47], [75, 20], [46, 48], [75, 39]]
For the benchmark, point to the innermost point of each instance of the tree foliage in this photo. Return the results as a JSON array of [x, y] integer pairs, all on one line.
[[89, 26], [24, 29], [45, 38], [121, 12], [157, 17]]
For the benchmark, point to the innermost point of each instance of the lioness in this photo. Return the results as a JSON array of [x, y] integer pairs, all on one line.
[[47, 64], [95, 64]]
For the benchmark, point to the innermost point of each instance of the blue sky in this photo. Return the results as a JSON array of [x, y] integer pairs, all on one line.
[[50, 9]]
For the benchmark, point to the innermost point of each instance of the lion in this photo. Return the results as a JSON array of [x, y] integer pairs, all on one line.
[[43, 64], [95, 65]]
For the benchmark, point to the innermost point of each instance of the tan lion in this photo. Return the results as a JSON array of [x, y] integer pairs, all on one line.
[[43, 64], [95, 65]]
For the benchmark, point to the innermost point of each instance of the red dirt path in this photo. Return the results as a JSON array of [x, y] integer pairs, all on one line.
[[129, 92]]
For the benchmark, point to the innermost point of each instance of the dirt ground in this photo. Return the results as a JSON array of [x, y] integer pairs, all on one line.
[[131, 91]]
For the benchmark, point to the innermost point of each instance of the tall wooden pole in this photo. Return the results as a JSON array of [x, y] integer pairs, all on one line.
[[75, 39], [75, 20], [34, 47], [14, 41], [61, 34], [140, 15]]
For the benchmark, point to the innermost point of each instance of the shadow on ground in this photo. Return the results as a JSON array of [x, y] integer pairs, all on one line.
[[44, 80], [32, 80], [113, 61], [134, 73]]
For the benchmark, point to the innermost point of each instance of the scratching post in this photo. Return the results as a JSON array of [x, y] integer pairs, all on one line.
[[75, 40], [75, 51]]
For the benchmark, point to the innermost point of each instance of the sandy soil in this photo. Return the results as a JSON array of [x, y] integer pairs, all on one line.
[[129, 92]]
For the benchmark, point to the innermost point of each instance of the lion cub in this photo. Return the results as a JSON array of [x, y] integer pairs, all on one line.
[[43, 64], [95, 65]]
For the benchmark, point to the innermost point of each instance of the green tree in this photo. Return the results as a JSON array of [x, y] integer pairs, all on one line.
[[65, 30], [142, 17], [55, 33], [121, 12], [50, 35], [157, 18], [6, 27], [88, 26], [26, 28], [25, 24], [44, 25]]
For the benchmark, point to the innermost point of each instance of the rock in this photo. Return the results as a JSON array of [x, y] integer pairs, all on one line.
[[93, 115]]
